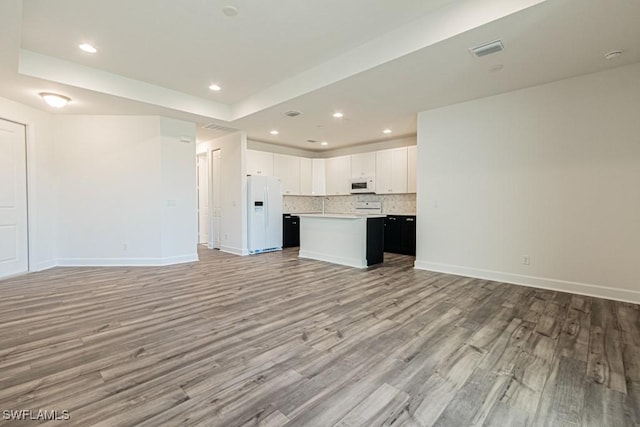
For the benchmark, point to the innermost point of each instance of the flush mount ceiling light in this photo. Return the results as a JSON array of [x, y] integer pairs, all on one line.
[[215, 87], [338, 115], [612, 55], [86, 47], [230, 11], [387, 131], [55, 100], [324, 143], [274, 132]]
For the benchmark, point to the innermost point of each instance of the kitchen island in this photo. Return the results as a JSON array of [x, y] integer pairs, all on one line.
[[347, 239]]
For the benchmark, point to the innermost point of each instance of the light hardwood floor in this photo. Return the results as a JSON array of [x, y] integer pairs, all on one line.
[[273, 340]]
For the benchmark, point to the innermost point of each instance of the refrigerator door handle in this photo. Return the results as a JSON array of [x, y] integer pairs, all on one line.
[[266, 206]]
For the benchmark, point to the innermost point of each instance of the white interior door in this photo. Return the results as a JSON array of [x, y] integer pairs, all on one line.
[[215, 200], [14, 250], [203, 199]]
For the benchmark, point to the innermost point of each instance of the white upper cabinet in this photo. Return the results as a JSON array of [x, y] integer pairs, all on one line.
[[394, 171], [338, 174], [412, 163], [312, 177], [363, 164], [319, 177], [306, 177], [259, 163], [391, 171], [287, 168]]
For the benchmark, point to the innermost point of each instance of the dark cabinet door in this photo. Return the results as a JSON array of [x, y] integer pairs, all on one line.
[[375, 240], [400, 234], [392, 234], [408, 235], [290, 231]]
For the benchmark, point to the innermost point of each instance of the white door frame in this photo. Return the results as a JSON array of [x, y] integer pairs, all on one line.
[[28, 178], [203, 158], [212, 200]]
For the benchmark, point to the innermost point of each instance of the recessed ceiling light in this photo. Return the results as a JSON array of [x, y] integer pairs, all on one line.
[[386, 131], [324, 143], [87, 48], [215, 87], [338, 115], [230, 10], [55, 100], [613, 55], [274, 132]]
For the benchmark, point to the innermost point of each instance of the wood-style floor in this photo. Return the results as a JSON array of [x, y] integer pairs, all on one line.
[[274, 340]]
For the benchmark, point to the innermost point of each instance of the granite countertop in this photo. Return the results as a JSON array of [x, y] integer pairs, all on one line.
[[342, 215], [401, 213], [350, 214]]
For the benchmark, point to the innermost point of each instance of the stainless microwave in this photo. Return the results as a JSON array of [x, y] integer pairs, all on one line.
[[363, 185]]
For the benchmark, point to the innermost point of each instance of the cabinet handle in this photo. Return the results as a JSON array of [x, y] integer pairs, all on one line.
[[410, 219]]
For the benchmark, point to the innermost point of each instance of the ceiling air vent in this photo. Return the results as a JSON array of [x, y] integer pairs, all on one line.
[[292, 113], [487, 48], [220, 128]]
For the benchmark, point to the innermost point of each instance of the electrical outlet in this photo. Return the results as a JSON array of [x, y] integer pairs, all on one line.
[[526, 260]]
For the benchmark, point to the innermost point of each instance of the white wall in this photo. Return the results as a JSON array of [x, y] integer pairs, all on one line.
[[179, 181], [552, 172], [42, 190], [126, 192], [233, 149]]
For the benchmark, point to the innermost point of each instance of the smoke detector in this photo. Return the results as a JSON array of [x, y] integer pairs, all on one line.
[[487, 48], [292, 113]]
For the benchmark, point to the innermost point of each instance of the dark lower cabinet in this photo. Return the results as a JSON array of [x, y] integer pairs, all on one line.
[[375, 240], [400, 234], [290, 231]]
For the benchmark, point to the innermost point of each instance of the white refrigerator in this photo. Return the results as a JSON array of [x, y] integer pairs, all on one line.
[[264, 224]]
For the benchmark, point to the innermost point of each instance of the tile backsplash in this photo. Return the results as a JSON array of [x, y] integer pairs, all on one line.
[[391, 203]]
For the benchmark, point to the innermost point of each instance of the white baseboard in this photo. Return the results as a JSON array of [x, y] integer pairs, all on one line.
[[180, 259], [43, 265], [126, 262], [234, 251], [349, 262], [586, 289]]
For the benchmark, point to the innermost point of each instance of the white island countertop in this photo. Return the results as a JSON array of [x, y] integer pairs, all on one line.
[[341, 238]]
